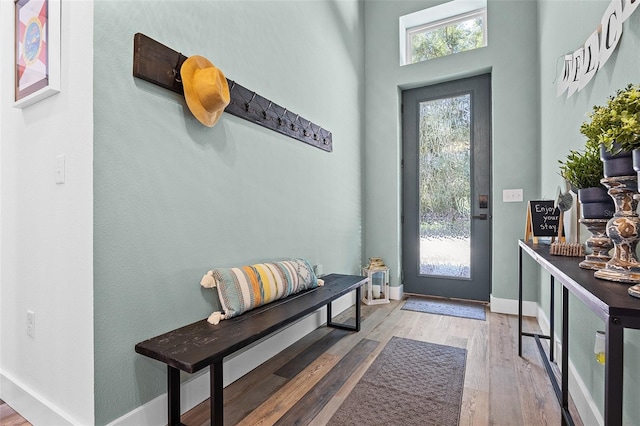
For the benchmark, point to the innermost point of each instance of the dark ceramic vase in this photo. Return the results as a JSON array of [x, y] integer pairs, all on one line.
[[596, 203], [597, 207], [620, 164]]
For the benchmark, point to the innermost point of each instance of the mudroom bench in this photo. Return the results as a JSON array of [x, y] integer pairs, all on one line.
[[201, 344]]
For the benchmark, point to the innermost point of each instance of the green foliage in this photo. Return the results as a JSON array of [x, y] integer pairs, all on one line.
[[583, 169], [616, 122], [444, 166], [444, 41]]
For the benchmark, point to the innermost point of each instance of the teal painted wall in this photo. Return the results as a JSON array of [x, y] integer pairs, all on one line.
[[564, 27], [511, 57], [174, 199]]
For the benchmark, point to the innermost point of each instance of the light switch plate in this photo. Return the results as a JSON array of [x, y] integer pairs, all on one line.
[[512, 195]]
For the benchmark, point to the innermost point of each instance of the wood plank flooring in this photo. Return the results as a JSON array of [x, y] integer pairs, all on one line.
[[8, 417], [307, 382]]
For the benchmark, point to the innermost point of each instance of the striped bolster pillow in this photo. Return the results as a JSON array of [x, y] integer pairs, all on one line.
[[247, 287]]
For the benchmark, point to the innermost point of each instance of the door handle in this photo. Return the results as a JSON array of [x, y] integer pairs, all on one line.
[[482, 216]]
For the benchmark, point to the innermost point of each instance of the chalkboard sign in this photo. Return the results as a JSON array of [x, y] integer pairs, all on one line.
[[543, 220]]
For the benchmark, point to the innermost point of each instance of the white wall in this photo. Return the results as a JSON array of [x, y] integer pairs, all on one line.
[[46, 244]]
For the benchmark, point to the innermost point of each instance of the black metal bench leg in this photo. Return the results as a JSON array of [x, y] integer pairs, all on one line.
[[217, 401], [345, 326], [173, 396]]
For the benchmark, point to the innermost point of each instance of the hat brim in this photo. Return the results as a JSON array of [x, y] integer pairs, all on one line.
[[187, 73]]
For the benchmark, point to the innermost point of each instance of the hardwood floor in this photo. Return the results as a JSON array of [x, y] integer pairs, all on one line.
[[8, 417], [307, 382]]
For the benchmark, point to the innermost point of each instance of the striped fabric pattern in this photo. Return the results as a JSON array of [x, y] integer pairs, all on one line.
[[244, 288]]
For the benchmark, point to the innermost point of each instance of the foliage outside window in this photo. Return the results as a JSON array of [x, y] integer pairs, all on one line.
[[445, 134], [447, 36]]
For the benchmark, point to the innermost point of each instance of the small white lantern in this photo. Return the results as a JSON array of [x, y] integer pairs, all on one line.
[[377, 289]]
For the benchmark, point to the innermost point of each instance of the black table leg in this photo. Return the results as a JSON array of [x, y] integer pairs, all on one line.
[[173, 396], [566, 419], [520, 301], [613, 372], [552, 315], [216, 403], [358, 307]]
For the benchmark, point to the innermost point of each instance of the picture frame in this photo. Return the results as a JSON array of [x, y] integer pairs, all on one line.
[[37, 50]]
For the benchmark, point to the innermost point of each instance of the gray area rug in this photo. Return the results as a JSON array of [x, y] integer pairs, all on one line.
[[409, 383], [452, 308]]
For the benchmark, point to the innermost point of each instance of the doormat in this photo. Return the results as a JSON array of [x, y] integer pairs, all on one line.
[[409, 383], [448, 307]]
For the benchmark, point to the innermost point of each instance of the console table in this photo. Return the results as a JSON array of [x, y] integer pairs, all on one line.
[[608, 300]]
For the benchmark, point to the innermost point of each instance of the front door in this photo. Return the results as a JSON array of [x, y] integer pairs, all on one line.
[[446, 218]]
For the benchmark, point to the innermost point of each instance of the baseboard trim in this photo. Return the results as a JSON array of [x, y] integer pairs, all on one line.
[[510, 307], [35, 409], [196, 390], [396, 292], [586, 406]]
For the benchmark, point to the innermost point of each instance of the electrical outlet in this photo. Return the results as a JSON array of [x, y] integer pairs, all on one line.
[[31, 324], [512, 195]]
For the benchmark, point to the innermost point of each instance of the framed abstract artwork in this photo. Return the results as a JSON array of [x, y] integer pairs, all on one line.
[[37, 50]]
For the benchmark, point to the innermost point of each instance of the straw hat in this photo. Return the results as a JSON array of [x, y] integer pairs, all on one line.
[[205, 89]]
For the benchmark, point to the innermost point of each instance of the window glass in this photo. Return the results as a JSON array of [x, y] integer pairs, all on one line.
[[443, 30]]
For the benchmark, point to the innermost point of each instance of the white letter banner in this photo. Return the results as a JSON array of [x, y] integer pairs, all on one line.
[[628, 7], [591, 60], [611, 31]]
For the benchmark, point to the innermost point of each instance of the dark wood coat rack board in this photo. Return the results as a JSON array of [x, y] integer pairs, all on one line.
[[159, 64]]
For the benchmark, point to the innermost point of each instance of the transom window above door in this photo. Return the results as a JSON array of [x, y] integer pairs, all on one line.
[[442, 30]]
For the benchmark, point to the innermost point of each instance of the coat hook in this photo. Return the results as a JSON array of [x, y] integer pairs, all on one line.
[[281, 119], [293, 126], [176, 70], [265, 112], [248, 104]]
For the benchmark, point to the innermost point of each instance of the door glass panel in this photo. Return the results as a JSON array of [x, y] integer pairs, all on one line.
[[444, 187]]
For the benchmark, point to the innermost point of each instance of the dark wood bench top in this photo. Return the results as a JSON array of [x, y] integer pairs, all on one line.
[[197, 345]]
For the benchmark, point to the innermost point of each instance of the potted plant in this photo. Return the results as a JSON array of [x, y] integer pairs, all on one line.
[[616, 126], [583, 171]]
